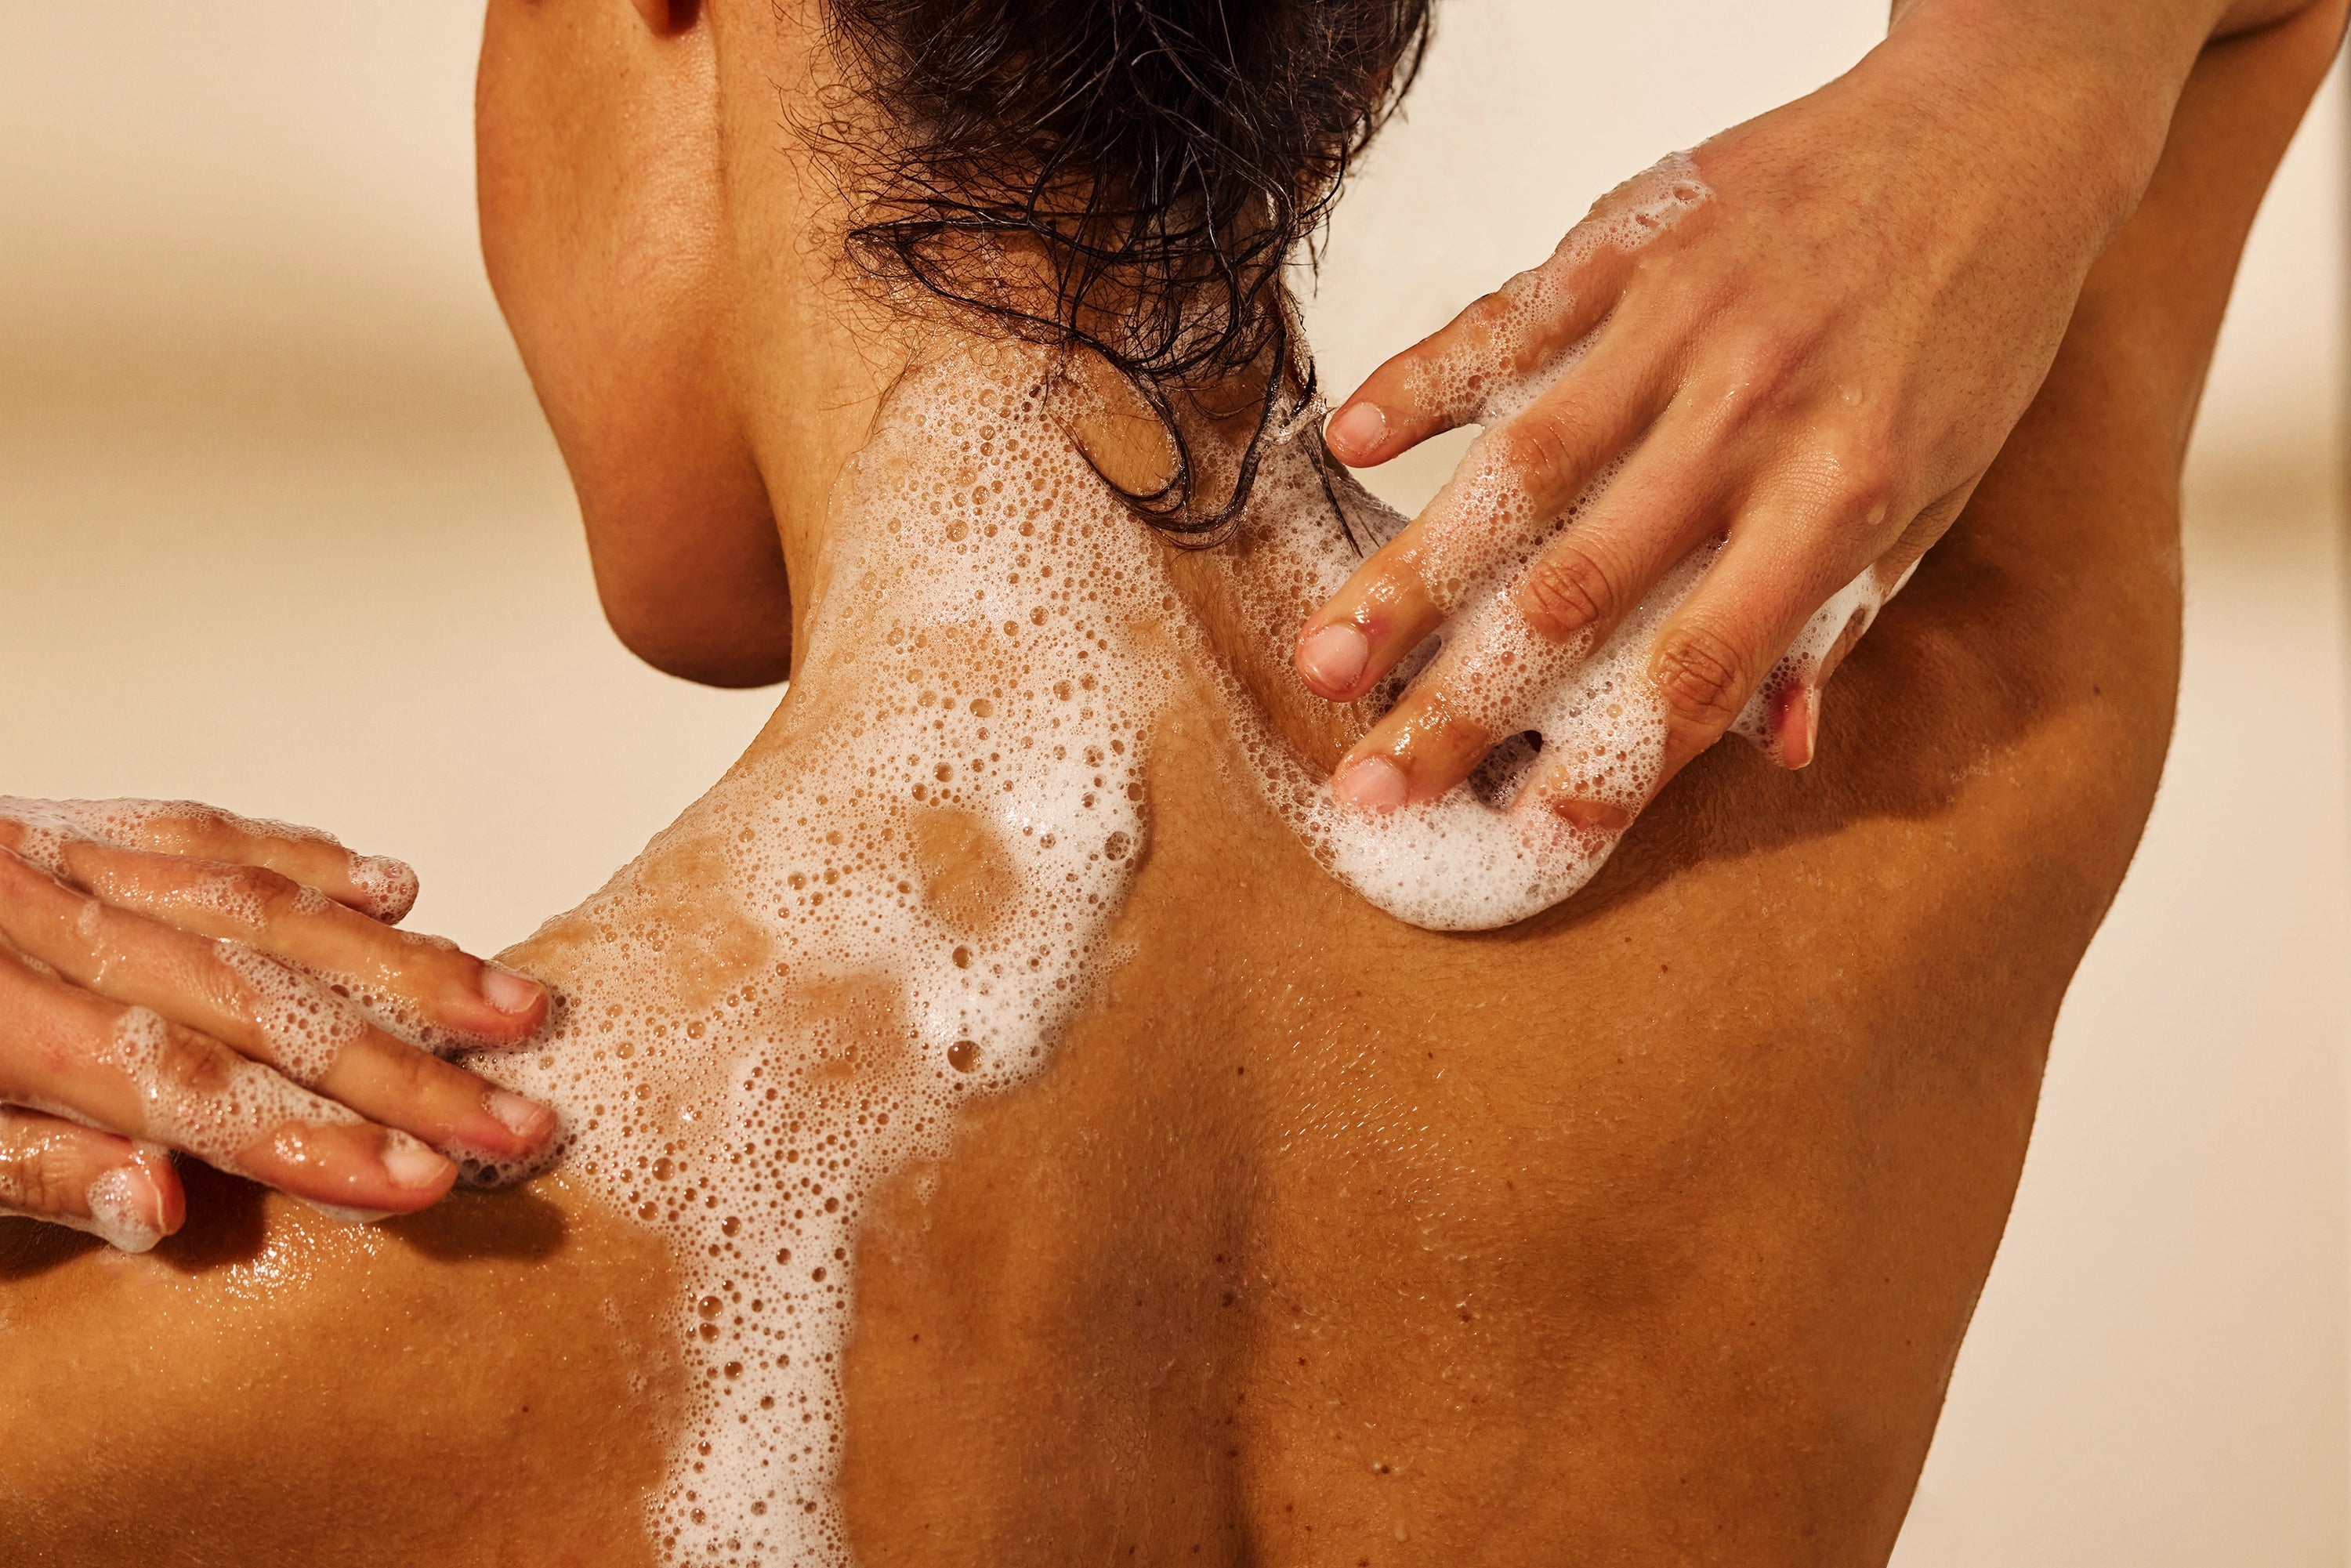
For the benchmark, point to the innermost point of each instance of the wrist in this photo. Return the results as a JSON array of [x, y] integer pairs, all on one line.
[[2068, 105]]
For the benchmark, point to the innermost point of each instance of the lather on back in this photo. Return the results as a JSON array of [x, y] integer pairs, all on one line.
[[1645, 1230]]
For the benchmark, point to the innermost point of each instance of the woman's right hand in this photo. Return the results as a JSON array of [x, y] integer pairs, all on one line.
[[173, 977]]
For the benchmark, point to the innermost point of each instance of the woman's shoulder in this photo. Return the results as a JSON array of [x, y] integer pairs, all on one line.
[[438, 1384]]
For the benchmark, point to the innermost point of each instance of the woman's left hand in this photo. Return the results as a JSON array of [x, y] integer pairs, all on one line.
[[1811, 337]]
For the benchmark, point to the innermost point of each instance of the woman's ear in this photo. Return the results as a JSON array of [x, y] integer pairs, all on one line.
[[608, 237]]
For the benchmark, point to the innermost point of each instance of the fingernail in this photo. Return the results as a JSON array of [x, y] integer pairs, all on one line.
[[1796, 727], [523, 1118], [507, 991], [1372, 783], [1595, 816], [387, 887], [1333, 659], [126, 1209], [1357, 430], [410, 1164]]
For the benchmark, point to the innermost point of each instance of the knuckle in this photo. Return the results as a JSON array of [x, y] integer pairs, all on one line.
[[1566, 591], [1490, 314], [1700, 674], [192, 1065], [37, 1175], [1547, 446], [1864, 492], [273, 897], [1857, 472], [411, 1075], [1760, 367]]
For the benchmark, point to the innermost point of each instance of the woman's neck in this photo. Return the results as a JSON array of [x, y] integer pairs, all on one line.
[[902, 513]]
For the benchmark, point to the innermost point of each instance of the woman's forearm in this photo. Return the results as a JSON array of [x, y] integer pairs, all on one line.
[[1797, 348], [2204, 20], [2080, 92]]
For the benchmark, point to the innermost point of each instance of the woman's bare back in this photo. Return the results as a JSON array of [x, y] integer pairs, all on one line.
[[1645, 1230]]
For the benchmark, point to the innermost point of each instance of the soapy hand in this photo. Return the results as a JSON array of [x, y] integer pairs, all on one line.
[[1802, 344], [173, 977]]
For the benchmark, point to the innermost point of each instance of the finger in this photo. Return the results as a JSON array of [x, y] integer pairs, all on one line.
[[376, 885], [1566, 601], [1491, 681], [1530, 329], [120, 1190], [1709, 656], [1424, 740], [1783, 717], [69, 1053], [1498, 665], [267, 1011], [1514, 488], [1777, 577], [1383, 613], [1669, 500], [422, 990], [1510, 347]]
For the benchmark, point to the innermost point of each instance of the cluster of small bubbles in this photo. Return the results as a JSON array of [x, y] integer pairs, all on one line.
[[118, 1214], [402, 1016], [47, 827], [1589, 722], [221, 1114], [305, 1024], [1579, 721], [911, 922], [1849, 612], [1480, 855], [380, 887]]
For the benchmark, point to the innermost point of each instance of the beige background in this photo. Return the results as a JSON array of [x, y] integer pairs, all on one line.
[[279, 528]]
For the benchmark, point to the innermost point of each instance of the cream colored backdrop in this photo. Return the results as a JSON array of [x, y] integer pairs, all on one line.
[[279, 528]]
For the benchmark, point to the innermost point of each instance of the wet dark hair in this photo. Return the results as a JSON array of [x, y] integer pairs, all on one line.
[[1168, 159]]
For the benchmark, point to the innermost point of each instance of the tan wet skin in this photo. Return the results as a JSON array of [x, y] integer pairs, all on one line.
[[1645, 1231]]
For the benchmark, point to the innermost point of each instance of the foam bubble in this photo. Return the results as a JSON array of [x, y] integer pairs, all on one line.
[[116, 1212], [1480, 857], [899, 899], [221, 1119], [382, 887], [385, 888], [305, 1025], [908, 924]]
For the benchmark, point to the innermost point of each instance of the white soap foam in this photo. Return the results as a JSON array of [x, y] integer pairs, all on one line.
[[220, 1115], [400, 1016], [307, 1013], [912, 922], [305, 1025], [116, 1214], [1486, 854], [219, 1120], [382, 888]]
